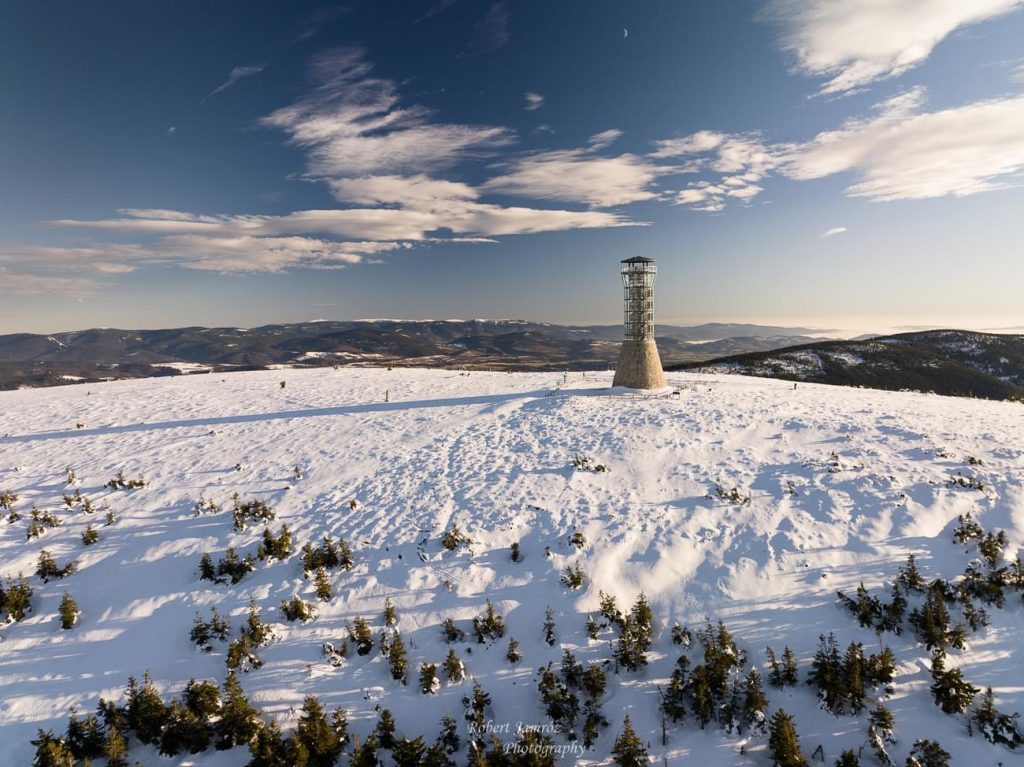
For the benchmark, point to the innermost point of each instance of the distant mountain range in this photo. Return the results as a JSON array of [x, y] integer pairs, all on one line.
[[952, 362], [955, 362], [105, 353]]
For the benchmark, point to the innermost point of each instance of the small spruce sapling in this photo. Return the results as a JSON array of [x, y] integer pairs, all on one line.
[[69, 611]]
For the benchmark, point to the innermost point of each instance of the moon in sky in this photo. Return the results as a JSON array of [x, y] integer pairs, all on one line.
[[625, 33]]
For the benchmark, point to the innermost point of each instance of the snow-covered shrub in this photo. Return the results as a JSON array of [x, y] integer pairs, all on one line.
[[454, 538], [253, 510], [573, 576], [454, 669], [47, 567], [582, 462], [451, 632], [490, 626], [69, 611], [121, 482], [429, 683], [995, 726], [361, 635], [295, 609]]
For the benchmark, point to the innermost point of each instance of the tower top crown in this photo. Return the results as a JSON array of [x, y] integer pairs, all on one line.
[[637, 260]]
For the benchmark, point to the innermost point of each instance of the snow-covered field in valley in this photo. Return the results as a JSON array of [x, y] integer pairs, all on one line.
[[833, 487]]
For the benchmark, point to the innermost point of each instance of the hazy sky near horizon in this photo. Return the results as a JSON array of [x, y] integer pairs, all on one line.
[[256, 161]]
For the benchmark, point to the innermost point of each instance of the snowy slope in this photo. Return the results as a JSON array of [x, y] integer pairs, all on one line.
[[492, 453]]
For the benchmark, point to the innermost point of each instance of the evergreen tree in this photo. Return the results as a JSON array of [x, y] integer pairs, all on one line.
[[390, 616], [84, 737], [202, 698], [453, 668], [951, 692], [448, 738], [702, 694], [365, 754], [549, 626], [145, 712], [854, 673], [880, 733], [362, 635], [323, 585], [774, 669], [397, 659], [429, 683], [269, 748], [89, 535], [68, 611], [789, 668], [476, 706], [491, 626], [184, 731], [115, 747], [995, 726], [909, 576], [673, 701], [409, 753], [239, 722], [451, 632], [783, 742], [384, 732], [754, 702], [51, 751], [345, 560], [827, 674], [928, 753], [316, 736], [628, 750], [513, 653], [200, 633], [848, 759]]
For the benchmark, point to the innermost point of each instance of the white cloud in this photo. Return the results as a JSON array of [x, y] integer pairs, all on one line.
[[904, 153], [581, 175], [834, 231], [236, 74], [901, 152], [1017, 75], [738, 161], [854, 43], [533, 101], [353, 124]]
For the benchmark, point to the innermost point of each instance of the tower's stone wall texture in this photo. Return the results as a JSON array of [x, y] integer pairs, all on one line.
[[639, 365]]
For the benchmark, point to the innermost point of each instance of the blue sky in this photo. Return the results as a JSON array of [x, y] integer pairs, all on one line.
[[846, 163]]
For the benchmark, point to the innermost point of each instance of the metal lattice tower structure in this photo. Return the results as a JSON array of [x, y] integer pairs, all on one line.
[[638, 288], [639, 363]]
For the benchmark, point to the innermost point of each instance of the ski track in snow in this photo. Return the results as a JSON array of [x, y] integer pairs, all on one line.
[[491, 452]]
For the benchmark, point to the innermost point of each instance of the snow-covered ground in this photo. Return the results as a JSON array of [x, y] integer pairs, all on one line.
[[423, 450]]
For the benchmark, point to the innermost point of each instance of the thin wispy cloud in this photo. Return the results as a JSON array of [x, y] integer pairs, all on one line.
[[533, 101], [353, 123], [834, 231], [581, 175], [490, 33], [236, 74], [854, 43], [439, 7]]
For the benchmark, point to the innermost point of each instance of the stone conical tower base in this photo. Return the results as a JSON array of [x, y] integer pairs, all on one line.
[[639, 366]]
